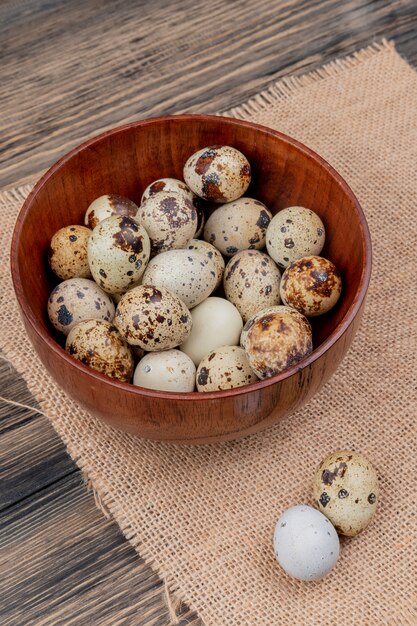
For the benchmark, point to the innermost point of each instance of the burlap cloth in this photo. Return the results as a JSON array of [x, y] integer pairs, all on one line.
[[203, 517]]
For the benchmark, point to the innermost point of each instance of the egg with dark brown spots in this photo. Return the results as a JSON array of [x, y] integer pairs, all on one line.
[[67, 254], [169, 370], [312, 285], [275, 339], [98, 344], [107, 205], [189, 274], [211, 253], [346, 490], [75, 300], [153, 319], [238, 225], [293, 233], [118, 252], [170, 220], [251, 282], [226, 367], [218, 173]]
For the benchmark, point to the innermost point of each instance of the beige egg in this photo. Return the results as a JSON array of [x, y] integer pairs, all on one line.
[[276, 339], [251, 282], [312, 285], [67, 254], [118, 252], [226, 367], [212, 254], [98, 344], [169, 370], [75, 300], [218, 173], [107, 205], [187, 273], [238, 225], [153, 319], [293, 233], [346, 490], [215, 322], [170, 220]]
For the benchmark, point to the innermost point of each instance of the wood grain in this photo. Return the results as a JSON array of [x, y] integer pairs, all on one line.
[[69, 70]]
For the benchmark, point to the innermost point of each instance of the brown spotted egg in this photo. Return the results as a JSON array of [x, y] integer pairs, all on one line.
[[170, 220], [251, 282], [75, 300], [212, 254], [346, 490], [218, 173], [67, 254], [275, 339], [238, 225], [169, 370], [187, 273], [98, 344], [293, 233], [153, 319], [105, 206], [118, 252], [226, 367], [312, 285]]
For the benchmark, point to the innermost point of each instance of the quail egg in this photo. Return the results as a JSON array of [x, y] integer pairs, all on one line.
[[226, 367], [187, 273], [107, 205], [275, 339], [118, 251], [98, 344], [75, 300], [211, 253], [238, 225], [169, 370], [346, 490], [68, 252], [218, 173], [251, 282], [293, 233], [312, 285], [153, 319]]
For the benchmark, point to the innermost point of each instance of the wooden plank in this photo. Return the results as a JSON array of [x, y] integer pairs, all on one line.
[[93, 65]]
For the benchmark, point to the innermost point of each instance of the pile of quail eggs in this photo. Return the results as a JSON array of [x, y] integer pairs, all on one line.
[[179, 294]]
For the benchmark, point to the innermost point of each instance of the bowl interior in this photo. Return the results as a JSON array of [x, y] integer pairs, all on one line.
[[127, 159]]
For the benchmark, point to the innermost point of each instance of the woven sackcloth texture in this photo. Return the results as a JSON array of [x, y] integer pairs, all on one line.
[[203, 517]]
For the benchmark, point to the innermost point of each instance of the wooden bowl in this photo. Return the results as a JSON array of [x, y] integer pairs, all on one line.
[[124, 161]]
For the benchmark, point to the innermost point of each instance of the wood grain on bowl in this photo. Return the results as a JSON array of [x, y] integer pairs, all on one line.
[[124, 161]]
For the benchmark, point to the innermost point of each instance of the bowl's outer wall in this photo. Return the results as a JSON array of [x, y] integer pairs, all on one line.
[[125, 161]]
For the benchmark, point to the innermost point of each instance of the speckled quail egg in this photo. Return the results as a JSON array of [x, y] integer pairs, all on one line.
[[293, 233], [211, 253], [187, 273], [312, 285], [177, 186], [75, 300], [226, 367], [218, 173], [238, 225], [306, 544], [251, 282], [118, 251], [153, 319], [98, 344], [169, 370], [67, 254], [107, 205], [170, 220], [215, 322], [275, 339], [346, 490]]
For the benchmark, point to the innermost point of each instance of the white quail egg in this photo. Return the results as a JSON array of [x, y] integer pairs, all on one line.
[[67, 254], [226, 367], [107, 205], [169, 370]]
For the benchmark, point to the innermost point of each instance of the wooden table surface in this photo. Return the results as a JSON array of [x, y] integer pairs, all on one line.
[[70, 69]]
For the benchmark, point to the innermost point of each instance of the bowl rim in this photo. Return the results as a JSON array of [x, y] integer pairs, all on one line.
[[194, 396]]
